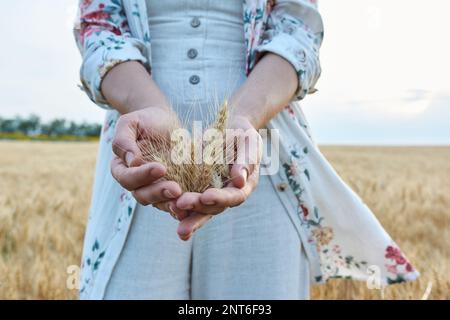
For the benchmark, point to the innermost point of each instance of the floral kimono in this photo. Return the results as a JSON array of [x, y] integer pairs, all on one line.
[[341, 236]]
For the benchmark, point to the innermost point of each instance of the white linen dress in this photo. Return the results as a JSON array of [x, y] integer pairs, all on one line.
[[248, 252]]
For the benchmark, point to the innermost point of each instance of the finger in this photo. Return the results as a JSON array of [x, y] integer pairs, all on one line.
[[230, 196], [190, 201], [225, 197], [251, 181], [124, 144], [132, 178], [193, 222], [169, 206], [180, 214], [157, 192], [248, 155], [239, 174]]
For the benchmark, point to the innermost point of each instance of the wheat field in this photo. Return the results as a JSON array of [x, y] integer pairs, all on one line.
[[45, 192]]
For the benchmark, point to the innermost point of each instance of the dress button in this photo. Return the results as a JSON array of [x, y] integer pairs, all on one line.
[[282, 186], [195, 22], [192, 53], [194, 79]]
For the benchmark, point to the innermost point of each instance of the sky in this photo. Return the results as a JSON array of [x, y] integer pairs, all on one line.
[[385, 70]]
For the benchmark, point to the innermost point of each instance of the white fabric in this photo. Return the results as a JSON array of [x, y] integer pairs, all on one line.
[[219, 42], [341, 236], [249, 252]]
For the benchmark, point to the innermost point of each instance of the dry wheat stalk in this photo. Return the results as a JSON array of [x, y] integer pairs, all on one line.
[[193, 175]]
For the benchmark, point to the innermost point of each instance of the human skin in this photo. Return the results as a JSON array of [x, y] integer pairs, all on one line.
[[130, 89]]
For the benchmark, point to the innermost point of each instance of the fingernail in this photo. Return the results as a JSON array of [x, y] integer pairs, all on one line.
[[129, 157], [210, 203], [173, 211], [244, 174], [168, 194]]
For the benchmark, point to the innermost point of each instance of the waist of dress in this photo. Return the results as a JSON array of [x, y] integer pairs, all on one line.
[[198, 50]]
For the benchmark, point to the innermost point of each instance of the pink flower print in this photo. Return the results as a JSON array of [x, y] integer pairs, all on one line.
[[122, 196], [304, 210], [85, 4], [337, 249], [408, 267], [290, 110], [269, 6], [293, 169], [96, 16], [392, 268], [395, 254]]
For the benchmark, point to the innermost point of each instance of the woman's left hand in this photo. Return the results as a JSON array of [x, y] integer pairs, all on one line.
[[195, 209]]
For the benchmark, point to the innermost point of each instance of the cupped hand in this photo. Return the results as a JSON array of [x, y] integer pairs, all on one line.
[[195, 209], [144, 179]]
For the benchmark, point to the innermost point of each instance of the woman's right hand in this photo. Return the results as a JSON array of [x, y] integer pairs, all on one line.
[[144, 179]]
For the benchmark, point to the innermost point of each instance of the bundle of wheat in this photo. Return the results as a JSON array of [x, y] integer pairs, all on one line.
[[198, 163]]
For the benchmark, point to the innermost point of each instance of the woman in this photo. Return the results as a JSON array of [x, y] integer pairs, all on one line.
[[142, 60]]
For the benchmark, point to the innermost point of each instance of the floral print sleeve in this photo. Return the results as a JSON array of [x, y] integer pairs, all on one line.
[[103, 36], [294, 31]]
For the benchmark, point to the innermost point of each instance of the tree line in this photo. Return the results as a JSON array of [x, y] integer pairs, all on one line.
[[34, 126]]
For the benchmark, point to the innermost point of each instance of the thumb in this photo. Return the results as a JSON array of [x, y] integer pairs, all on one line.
[[239, 174], [125, 144]]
